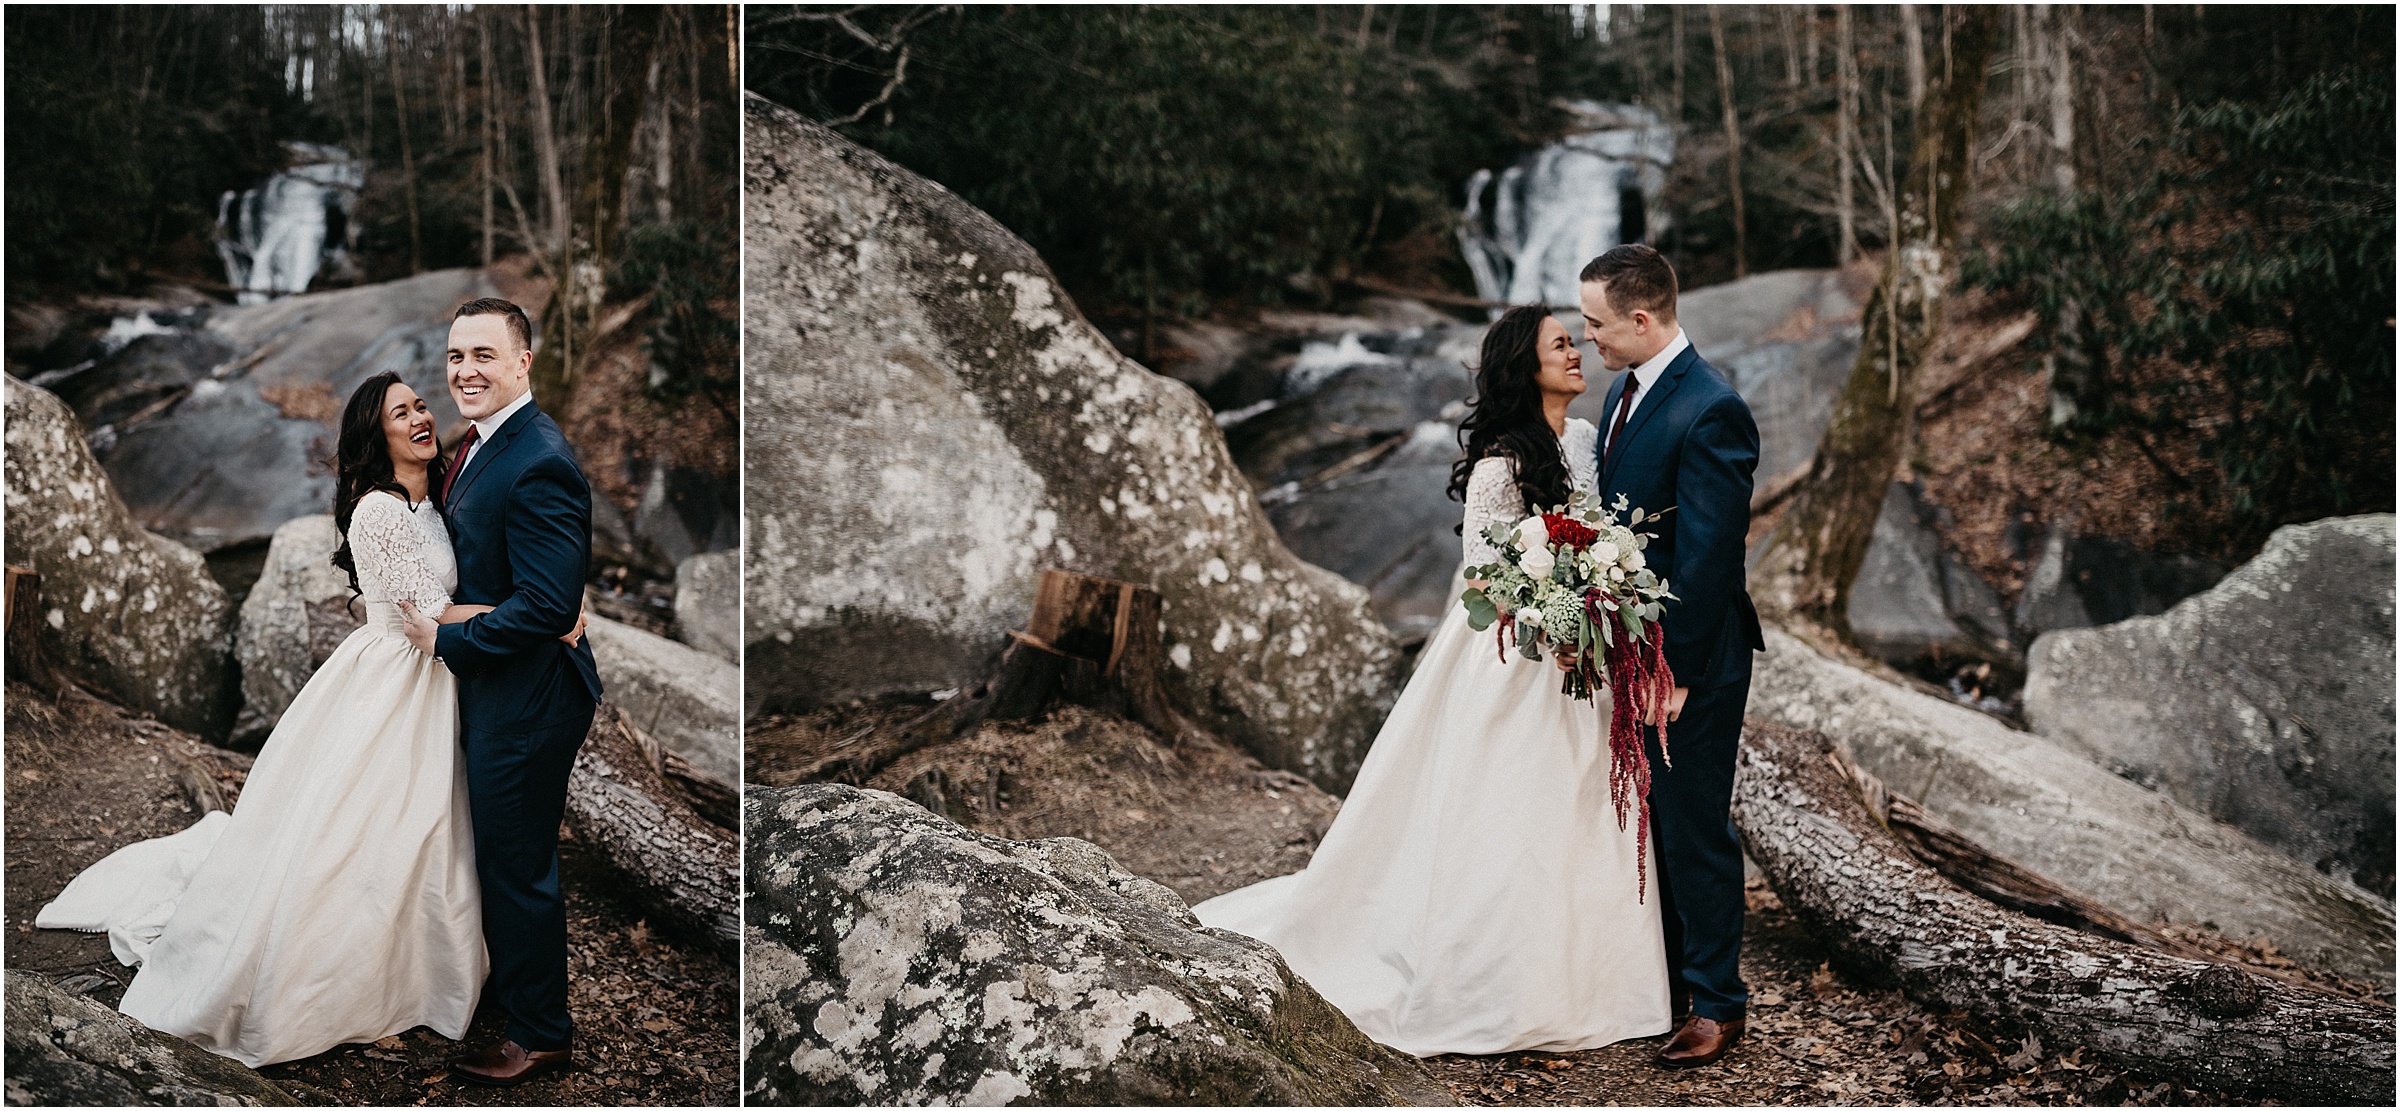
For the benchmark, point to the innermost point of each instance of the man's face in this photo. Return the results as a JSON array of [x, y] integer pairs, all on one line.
[[1622, 340], [488, 370]]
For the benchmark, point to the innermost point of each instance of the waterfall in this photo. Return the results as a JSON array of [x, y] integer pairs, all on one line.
[[1561, 205], [276, 236]]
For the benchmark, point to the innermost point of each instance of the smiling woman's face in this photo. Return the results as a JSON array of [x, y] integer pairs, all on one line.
[[1562, 364], [407, 425]]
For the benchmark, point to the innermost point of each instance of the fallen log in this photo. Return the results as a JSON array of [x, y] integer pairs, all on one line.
[[1890, 919], [683, 869]]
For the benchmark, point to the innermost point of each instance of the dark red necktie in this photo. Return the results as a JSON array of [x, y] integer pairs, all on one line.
[[468, 444], [1616, 430]]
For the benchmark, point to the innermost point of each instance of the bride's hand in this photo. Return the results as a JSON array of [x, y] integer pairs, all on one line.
[[419, 628], [582, 617]]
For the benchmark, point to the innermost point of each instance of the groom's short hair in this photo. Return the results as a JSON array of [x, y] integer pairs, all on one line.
[[1634, 276], [518, 326]]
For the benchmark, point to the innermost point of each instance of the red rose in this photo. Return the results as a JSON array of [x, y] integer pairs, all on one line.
[[1569, 532]]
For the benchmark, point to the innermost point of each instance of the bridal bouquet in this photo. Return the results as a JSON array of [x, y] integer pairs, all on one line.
[[1576, 577]]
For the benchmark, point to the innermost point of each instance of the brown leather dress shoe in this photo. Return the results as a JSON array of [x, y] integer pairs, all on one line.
[[508, 1064], [1701, 1041]]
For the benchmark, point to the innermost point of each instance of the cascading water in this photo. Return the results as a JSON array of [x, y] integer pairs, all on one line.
[[275, 238], [1561, 205]]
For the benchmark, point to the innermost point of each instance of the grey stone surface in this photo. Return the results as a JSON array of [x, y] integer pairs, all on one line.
[[895, 958], [297, 613], [69, 1050], [2057, 812], [686, 699], [129, 612], [241, 452], [708, 604], [1913, 599], [930, 424], [2265, 701]]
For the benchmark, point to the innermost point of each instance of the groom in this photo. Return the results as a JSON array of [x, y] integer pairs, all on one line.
[[520, 519], [1677, 435]]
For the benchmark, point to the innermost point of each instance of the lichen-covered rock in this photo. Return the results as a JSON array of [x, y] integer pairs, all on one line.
[[2265, 701], [930, 424], [893, 957], [128, 612], [68, 1050], [297, 613], [2060, 814], [708, 604], [682, 697]]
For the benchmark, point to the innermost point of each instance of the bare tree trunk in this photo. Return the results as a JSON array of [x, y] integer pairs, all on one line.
[[408, 164], [1889, 919], [683, 868], [1912, 44], [2062, 99], [1733, 141], [1816, 551], [1675, 55], [545, 142], [1787, 29], [1808, 20], [1366, 24], [601, 194], [1845, 71], [483, 26]]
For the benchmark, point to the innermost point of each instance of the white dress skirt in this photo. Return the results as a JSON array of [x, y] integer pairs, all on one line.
[[338, 902], [1476, 893]]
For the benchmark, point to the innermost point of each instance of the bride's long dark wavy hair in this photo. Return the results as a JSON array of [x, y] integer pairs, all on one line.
[[1506, 418], [362, 462]]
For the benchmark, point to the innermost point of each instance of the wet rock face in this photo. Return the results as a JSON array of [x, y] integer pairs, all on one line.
[[126, 611], [1913, 599], [2265, 701], [930, 424], [896, 958], [217, 435], [2051, 808], [69, 1050], [299, 611]]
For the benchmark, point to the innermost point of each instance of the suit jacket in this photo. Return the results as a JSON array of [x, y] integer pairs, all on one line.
[[1693, 446], [520, 519]]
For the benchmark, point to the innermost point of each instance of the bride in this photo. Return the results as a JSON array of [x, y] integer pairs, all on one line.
[[1476, 893], [338, 902]]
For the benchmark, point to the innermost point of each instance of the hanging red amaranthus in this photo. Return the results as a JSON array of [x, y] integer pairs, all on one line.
[[1638, 678]]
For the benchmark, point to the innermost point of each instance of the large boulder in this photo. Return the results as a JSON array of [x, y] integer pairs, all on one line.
[[297, 613], [682, 697], [930, 424], [2265, 701], [708, 604], [128, 612], [240, 403], [66, 1049], [2057, 812], [896, 958], [1913, 599]]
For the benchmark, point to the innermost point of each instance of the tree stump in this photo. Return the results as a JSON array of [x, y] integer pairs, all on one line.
[[684, 869], [21, 617], [1891, 919]]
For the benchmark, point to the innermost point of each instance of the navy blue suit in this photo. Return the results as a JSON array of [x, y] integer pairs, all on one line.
[[520, 518], [1692, 445]]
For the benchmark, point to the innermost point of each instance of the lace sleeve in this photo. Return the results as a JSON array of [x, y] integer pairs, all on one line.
[[1492, 499], [1581, 446], [389, 548]]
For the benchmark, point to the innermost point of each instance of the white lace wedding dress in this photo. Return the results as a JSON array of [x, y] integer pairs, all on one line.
[[338, 902], [1475, 894]]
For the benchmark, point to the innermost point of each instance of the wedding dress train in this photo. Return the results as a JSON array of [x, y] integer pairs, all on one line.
[[338, 902], [1476, 893]]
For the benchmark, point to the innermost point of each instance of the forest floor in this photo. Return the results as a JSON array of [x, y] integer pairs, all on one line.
[[1206, 819], [655, 1017]]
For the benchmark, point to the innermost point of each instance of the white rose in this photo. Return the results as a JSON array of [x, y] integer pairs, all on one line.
[[1538, 562], [1530, 615], [1604, 553], [1532, 534], [1633, 560]]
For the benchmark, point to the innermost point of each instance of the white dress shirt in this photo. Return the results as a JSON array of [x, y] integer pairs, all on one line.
[[1644, 376], [485, 428]]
